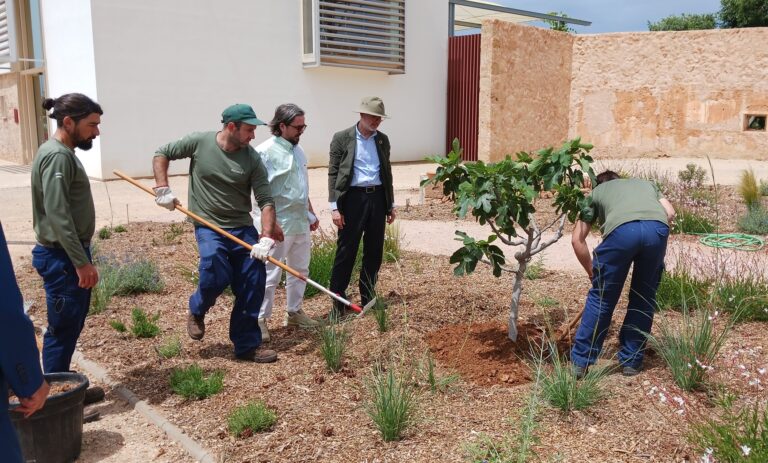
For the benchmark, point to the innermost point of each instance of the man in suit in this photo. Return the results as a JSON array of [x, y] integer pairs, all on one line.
[[361, 198], [19, 358]]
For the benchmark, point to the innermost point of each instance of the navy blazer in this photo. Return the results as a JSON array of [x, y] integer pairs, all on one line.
[[342, 160], [19, 357]]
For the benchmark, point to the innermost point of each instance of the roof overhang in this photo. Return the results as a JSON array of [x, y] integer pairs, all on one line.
[[469, 14]]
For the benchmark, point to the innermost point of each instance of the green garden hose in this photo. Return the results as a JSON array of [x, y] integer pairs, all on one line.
[[737, 241]]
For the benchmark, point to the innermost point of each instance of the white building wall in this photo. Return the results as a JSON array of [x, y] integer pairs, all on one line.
[[69, 61], [167, 68]]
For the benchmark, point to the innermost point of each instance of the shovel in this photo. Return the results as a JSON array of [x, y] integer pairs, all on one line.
[[360, 310]]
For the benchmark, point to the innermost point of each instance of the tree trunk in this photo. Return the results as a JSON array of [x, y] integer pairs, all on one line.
[[514, 306]]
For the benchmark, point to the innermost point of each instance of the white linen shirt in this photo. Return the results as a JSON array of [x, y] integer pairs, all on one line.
[[289, 182]]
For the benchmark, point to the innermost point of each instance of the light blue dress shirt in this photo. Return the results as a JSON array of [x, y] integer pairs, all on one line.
[[365, 171]]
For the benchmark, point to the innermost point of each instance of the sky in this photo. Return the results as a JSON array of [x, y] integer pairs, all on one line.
[[615, 16]]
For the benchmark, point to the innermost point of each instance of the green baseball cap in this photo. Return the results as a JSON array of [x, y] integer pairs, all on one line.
[[241, 113]]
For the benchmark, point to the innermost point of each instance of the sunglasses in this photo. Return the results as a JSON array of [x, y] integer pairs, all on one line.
[[300, 128]]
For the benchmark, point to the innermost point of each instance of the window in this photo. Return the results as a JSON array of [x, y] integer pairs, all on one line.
[[754, 122], [366, 34], [7, 32]]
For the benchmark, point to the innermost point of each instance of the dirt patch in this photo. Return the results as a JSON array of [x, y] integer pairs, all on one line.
[[482, 352]]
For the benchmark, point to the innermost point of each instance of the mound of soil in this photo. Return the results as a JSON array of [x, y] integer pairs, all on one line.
[[483, 354]]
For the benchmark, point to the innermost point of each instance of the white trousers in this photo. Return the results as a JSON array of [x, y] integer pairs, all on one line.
[[294, 251]]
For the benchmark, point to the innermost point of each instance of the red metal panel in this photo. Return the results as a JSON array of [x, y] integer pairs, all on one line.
[[463, 93]]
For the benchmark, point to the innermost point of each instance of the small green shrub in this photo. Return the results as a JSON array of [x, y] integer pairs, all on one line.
[[118, 325], [174, 231], [680, 289], [380, 312], [755, 221], [139, 276], [144, 326], [693, 175], [393, 240], [105, 233], [120, 229], [748, 189], [763, 188], [490, 450], [170, 348], [122, 279], [391, 402], [535, 269], [333, 343], [732, 434], [429, 374], [546, 302], [322, 255], [191, 383], [253, 417], [562, 390], [101, 295], [690, 346], [691, 223], [745, 296]]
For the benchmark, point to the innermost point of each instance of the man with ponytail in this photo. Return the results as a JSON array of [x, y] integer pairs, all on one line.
[[64, 220]]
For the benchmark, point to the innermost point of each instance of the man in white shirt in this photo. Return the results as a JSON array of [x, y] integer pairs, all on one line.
[[286, 166]]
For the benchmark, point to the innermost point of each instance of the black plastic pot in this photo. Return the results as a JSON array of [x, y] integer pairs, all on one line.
[[54, 433]]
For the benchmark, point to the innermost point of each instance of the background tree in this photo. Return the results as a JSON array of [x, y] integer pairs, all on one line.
[[502, 195], [684, 22], [743, 13], [561, 26]]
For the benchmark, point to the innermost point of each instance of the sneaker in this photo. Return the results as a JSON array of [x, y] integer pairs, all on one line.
[[196, 326], [300, 319], [264, 330], [578, 372], [631, 371], [93, 394], [259, 355]]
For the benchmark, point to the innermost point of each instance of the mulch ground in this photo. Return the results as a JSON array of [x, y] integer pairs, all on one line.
[[459, 321]]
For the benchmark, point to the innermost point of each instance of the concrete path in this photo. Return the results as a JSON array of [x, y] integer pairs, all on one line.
[[119, 202]]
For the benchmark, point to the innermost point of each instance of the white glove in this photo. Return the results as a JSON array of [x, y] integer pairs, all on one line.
[[263, 249], [164, 198]]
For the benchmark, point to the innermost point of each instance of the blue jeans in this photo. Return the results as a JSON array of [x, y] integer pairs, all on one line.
[[67, 305], [225, 263], [641, 243]]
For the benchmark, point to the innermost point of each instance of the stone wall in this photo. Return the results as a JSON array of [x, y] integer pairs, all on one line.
[[10, 132], [630, 94], [525, 75], [671, 93]]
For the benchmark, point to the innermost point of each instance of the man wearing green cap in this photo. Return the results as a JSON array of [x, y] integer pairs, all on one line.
[[361, 199], [223, 171]]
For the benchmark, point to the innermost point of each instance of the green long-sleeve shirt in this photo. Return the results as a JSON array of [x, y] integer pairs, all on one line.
[[62, 203], [220, 183]]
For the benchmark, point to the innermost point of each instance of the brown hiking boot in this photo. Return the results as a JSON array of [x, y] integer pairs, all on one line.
[[196, 326], [259, 355]]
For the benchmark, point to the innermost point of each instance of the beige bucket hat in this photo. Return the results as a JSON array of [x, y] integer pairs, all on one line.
[[372, 105]]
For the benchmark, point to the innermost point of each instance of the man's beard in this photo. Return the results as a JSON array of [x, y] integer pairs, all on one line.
[[84, 145]]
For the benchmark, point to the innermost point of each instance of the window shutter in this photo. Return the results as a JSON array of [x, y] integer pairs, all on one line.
[[365, 34], [7, 32]]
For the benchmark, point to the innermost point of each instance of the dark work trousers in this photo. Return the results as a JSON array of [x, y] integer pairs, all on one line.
[[365, 216], [67, 305], [225, 263], [641, 244]]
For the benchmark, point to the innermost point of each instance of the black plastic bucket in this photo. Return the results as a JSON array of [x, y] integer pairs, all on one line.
[[54, 433]]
